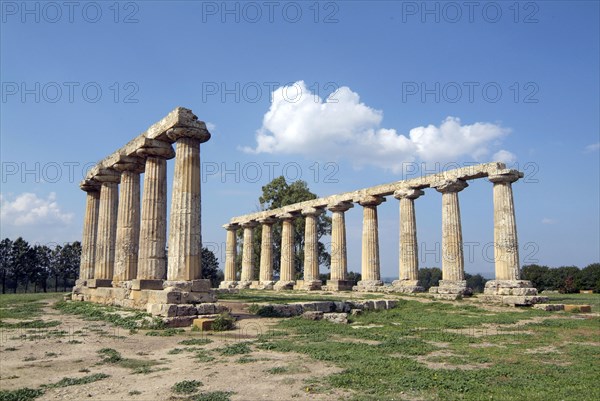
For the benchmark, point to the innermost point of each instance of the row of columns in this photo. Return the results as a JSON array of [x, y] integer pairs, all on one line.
[[505, 237], [122, 242]]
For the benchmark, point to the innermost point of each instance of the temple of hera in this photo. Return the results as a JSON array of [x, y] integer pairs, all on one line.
[[124, 260]]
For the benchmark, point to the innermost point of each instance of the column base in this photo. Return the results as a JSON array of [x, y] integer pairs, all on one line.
[[368, 285], [310, 285], [242, 285], [99, 282], [122, 284], [339, 285], [262, 285], [144, 284], [284, 285], [509, 287], [198, 285], [406, 286], [451, 289], [228, 284], [81, 282]]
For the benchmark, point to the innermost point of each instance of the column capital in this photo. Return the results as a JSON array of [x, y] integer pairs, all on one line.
[[129, 163], [371, 200], [340, 206], [269, 220], [231, 226], [89, 185], [312, 211], [199, 133], [447, 186], [249, 224], [286, 216], [156, 148], [108, 175], [408, 192], [507, 175]]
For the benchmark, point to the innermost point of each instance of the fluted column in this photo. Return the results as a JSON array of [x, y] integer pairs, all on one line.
[[286, 273], [248, 254], [339, 263], [128, 220], [311, 249], [107, 227], [230, 256], [409, 254], [153, 225], [266, 252], [370, 268], [185, 238], [90, 229], [453, 264]]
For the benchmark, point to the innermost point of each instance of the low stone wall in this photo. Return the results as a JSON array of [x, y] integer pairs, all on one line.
[[298, 308]]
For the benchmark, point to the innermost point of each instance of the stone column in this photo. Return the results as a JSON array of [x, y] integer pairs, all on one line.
[[153, 225], [185, 239], [247, 255], [286, 273], [453, 265], [90, 229], [408, 280], [230, 256], [339, 263], [107, 228], [266, 253], [311, 250], [128, 220], [506, 246], [370, 244]]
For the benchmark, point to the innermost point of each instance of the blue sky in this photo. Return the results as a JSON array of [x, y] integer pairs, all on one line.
[[413, 88]]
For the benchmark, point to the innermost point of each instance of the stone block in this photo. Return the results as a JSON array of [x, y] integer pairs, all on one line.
[[312, 315], [339, 318], [324, 306], [228, 284], [578, 308], [186, 310], [202, 285], [197, 297], [221, 308], [339, 285], [549, 307], [283, 285], [146, 284], [243, 285], [380, 304], [341, 307], [179, 321], [391, 303], [164, 297], [523, 300], [356, 312], [308, 285], [206, 308], [203, 324], [166, 310], [97, 282]]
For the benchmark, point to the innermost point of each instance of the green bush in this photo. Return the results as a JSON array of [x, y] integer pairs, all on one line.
[[223, 322]]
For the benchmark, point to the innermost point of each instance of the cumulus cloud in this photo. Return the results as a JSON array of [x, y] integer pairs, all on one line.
[[504, 156], [340, 126], [594, 147], [27, 209]]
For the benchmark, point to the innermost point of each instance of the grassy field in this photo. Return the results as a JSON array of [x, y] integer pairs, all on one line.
[[417, 351]]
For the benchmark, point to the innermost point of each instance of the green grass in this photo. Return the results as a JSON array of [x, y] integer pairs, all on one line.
[[22, 394], [165, 333], [196, 341], [269, 296], [138, 366], [506, 363], [587, 299], [186, 386], [75, 381], [235, 349]]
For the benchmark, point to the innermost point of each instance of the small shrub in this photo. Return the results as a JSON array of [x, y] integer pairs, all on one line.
[[264, 310], [212, 396], [135, 392], [74, 381], [235, 349], [186, 386], [223, 322], [110, 355], [196, 341], [22, 394]]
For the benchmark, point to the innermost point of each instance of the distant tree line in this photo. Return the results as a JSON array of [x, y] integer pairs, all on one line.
[[431, 276], [39, 267], [564, 279]]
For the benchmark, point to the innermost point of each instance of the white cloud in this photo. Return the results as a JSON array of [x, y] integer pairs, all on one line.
[[299, 122], [27, 209], [594, 147], [547, 220], [504, 156]]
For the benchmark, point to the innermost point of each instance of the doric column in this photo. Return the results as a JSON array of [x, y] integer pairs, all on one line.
[[453, 264], [286, 273], [409, 255], [90, 229], [248, 254], [185, 239], [506, 246], [153, 225], [230, 256], [128, 219], [339, 264], [107, 227], [266, 252], [370, 243], [311, 249]]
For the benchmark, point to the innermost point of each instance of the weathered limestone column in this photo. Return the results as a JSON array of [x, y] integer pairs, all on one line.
[[107, 228], [185, 237], [339, 263], [266, 253], [90, 229], [453, 264], [286, 273], [370, 269], [153, 225], [128, 220], [247, 255], [506, 247], [311, 250], [408, 280], [230, 256]]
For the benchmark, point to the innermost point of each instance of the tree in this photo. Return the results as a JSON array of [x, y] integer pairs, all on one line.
[[42, 258], [5, 261], [538, 275], [589, 277], [429, 277], [279, 193], [210, 267], [21, 260], [475, 282]]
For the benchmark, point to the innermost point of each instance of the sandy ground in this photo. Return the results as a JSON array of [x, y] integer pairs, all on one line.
[[31, 362]]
